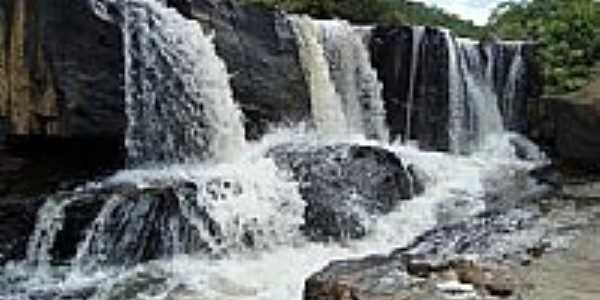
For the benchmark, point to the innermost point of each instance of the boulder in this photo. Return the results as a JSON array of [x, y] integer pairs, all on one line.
[[114, 218], [120, 230], [345, 186]]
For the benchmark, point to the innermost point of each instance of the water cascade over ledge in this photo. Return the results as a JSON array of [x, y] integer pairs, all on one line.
[[202, 213], [178, 99], [337, 65]]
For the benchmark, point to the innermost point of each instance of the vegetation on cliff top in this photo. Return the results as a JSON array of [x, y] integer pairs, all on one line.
[[392, 12], [568, 32]]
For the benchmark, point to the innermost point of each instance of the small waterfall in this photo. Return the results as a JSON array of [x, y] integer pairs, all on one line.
[[511, 86], [475, 115], [178, 100], [354, 78], [50, 220], [334, 55], [456, 95], [418, 32], [212, 212], [327, 108]]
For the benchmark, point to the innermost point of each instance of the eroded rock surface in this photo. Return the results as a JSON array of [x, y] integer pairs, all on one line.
[[345, 186]]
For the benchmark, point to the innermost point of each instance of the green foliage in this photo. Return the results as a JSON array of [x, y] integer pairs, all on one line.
[[391, 12], [568, 32]]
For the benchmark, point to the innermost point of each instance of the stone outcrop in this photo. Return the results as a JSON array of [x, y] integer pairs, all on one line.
[[61, 71], [125, 237], [345, 186], [568, 126]]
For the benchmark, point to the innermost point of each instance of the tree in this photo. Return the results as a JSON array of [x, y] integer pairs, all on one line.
[[568, 33]]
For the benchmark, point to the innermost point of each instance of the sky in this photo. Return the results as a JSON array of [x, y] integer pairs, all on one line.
[[476, 10]]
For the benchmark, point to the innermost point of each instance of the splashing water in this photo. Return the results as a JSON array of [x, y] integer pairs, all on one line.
[[327, 108], [178, 99], [344, 85], [354, 78]]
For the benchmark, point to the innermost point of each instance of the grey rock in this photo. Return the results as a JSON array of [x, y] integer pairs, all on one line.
[[345, 186]]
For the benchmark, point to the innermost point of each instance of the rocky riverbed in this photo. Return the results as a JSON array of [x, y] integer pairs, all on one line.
[[540, 250]]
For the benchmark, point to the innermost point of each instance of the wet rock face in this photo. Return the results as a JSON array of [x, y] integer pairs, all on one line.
[[117, 215], [391, 49], [124, 236], [344, 186], [260, 51]]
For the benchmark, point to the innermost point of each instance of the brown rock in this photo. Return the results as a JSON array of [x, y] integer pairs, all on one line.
[[500, 283]]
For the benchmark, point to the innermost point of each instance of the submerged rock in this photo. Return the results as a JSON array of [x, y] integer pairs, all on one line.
[[126, 225], [345, 186]]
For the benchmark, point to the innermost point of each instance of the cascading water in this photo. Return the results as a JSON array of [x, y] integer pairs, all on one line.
[[327, 108], [340, 60], [515, 73], [230, 227], [418, 32], [178, 99], [354, 79], [474, 114], [455, 94]]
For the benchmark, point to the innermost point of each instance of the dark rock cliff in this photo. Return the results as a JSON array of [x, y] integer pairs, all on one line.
[[391, 49]]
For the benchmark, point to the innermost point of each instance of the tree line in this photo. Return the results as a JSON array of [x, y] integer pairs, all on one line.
[[567, 31]]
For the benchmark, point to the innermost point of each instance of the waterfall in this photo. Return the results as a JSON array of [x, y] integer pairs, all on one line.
[[456, 96], [50, 220], [474, 113], [206, 215], [326, 104], [178, 100], [418, 32], [337, 62], [354, 78], [511, 86]]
